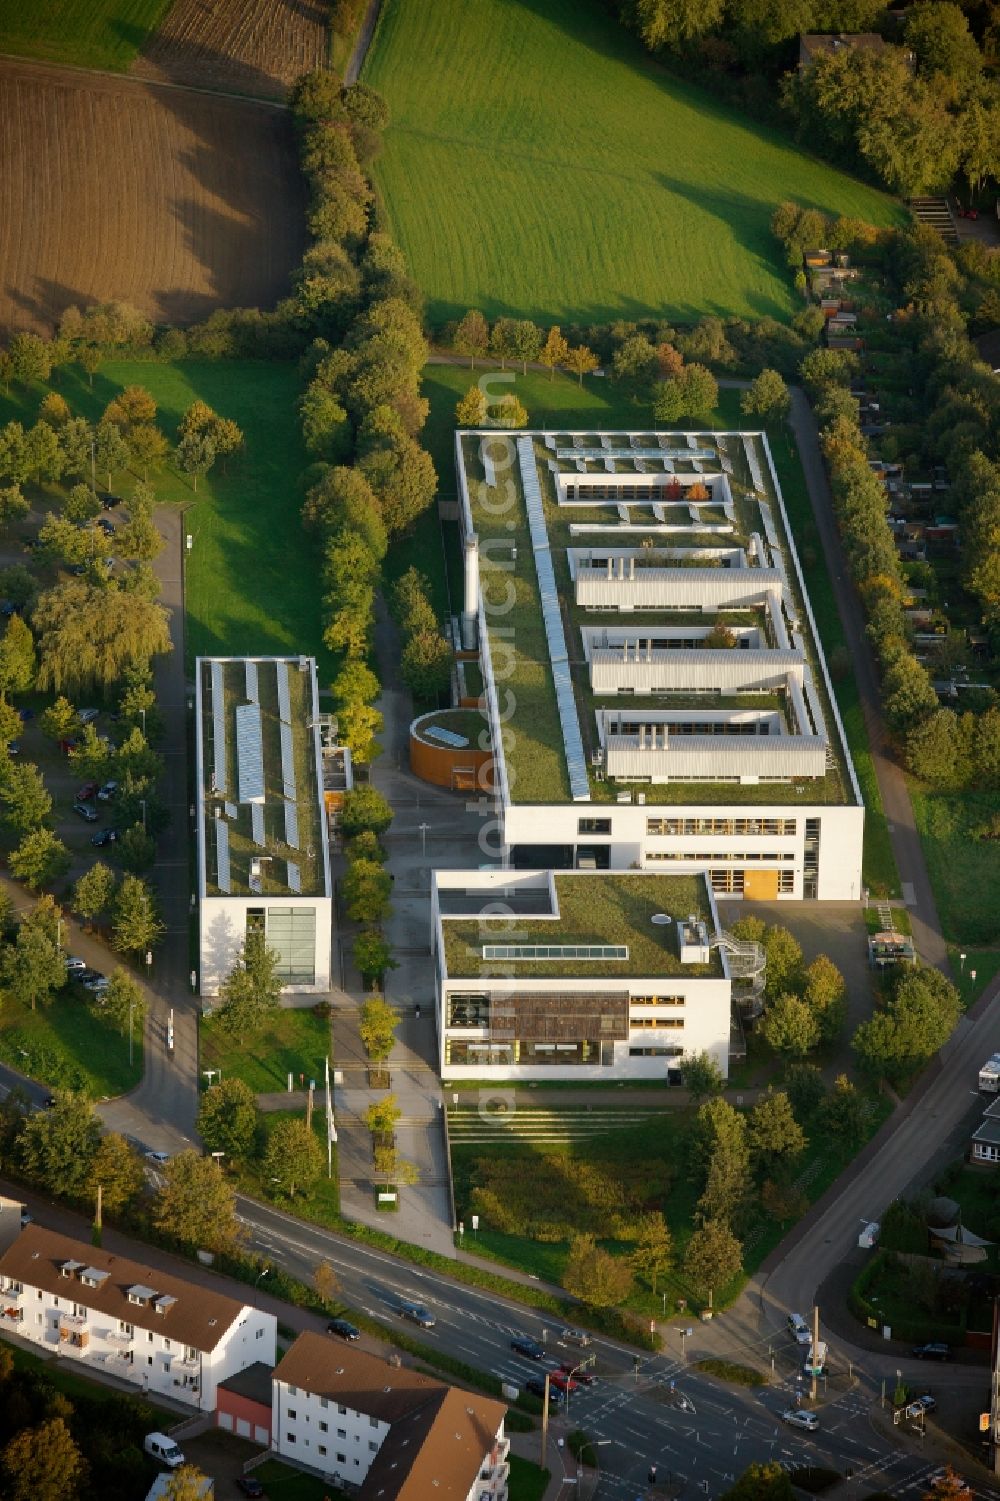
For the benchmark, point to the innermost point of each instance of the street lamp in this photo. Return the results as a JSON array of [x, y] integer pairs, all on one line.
[[685, 1335], [961, 960], [972, 977], [264, 1272], [424, 827], [142, 805], [584, 1364], [210, 1074], [143, 713], [59, 928]]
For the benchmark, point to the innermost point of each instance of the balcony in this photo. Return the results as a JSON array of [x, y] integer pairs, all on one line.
[[73, 1331], [10, 1311], [119, 1342]]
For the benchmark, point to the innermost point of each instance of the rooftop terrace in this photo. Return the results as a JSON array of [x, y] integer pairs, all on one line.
[[260, 783], [606, 560], [598, 912]]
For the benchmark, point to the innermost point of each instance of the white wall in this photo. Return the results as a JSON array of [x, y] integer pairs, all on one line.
[[298, 1432], [222, 921]]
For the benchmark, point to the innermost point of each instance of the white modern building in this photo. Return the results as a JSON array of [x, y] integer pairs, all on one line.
[[263, 853], [387, 1432], [163, 1334], [582, 975], [654, 683]]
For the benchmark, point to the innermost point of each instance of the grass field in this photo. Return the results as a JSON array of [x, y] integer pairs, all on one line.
[[282, 1483], [67, 1045], [527, 1481], [295, 1042], [86, 33], [965, 872], [251, 578], [539, 164]]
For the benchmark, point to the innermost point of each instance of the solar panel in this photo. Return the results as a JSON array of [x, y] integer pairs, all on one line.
[[292, 825], [253, 696], [579, 454], [447, 737], [232, 811], [218, 728], [294, 877], [284, 702], [249, 753], [287, 761], [257, 820], [222, 878]]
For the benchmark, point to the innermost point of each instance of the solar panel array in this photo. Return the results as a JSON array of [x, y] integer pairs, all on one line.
[[294, 877], [253, 696], [219, 726], [231, 810], [635, 453], [292, 825], [222, 877], [284, 702], [555, 635], [257, 821], [249, 753], [447, 737], [287, 760]]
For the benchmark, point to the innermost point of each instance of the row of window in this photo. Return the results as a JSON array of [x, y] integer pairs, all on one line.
[[731, 881], [677, 826], [706, 856], [657, 1023]]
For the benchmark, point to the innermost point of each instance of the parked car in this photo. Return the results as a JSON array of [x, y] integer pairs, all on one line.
[[26, 1219], [160, 1447], [799, 1329], [14, 748], [87, 791], [575, 1337], [106, 836], [342, 1328], [8, 608], [536, 1386], [74, 966], [26, 714], [249, 1485], [581, 1377], [87, 716], [108, 792], [563, 1382], [797, 1418], [524, 1345], [946, 1476], [417, 1314], [927, 1402], [96, 984], [107, 527], [933, 1350], [109, 501], [158, 1157], [86, 812]]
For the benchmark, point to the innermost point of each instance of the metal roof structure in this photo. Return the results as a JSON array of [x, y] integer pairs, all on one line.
[[257, 824], [218, 728], [222, 877], [287, 761], [284, 702], [292, 826], [635, 454], [249, 753], [253, 694], [294, 878]]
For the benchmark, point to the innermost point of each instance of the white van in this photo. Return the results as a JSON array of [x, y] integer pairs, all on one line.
[[164, 1449]]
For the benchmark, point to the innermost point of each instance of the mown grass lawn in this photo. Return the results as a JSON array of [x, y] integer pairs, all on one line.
[[67, 1045], [87, 33], [322, 1205], [527, 1481], [964, 871], [295, 1042], [252, 575], [282, 1483], [539, 164]]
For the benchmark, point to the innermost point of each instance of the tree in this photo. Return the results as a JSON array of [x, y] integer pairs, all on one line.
[[227, 1118], [58, 1146], [187, 1483], [653, 1252], [554, 351], [88, 636], [377, 1027], [843, 1111], [761, 1482], [713, 1257], [364, 808], [138, 540], [581, 361], [939, 34], [60, 720], [132, 407], [54, 409], [27, 803], [635, 359], [767, 397], [123, 1002], [425, 665], [293, 1159], [327, 1285], [30, 358], [382, 1115], [595, 1276], [472, 336], [13, 506], [365, 889], [39, 859], [471, 409], [721, 1146], [10, 724], [118, 1169], [503, 340], [919, 1019], [701, 1076], [17, 657], [805, 1089], [111, 450], [826, 995], [665, 23], [42, 1464], [195, 456], [789, 1026], [509, 412], [784, 960], [251, 992], [94, 891], [136, 925], [195, 1204], [773, 1130], [136, 849], [527, 342], [32, 967]]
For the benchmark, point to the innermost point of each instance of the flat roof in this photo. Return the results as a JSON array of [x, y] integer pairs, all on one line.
[[601, 584], [596, 911], [260, 778]]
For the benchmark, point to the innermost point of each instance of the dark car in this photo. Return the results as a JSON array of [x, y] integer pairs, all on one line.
[[68, 746], [87, 791], [249, 1485], [107, 793], [580, 1377], [109, 501], [536, 1386], [417, 1314], [86, 976], [8, 608], [529, 1348], [107, 527], [26, 714], [342, 1328], [106, 836], [86, 812], [933, 1351]]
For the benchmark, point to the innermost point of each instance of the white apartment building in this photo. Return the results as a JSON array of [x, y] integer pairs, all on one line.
[[163, 1334], [263, 769], [581, 975], [654, 683], [389, 1432]]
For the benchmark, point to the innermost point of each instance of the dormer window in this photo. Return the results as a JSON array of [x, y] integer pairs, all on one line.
[[140, 1294]]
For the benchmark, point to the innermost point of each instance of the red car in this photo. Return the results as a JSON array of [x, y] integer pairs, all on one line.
[[87, 791], [582, 1378], [66, 746], [563, 1382]]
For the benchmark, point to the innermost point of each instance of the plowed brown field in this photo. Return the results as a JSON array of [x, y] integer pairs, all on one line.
[[255, 47], [171, 200]]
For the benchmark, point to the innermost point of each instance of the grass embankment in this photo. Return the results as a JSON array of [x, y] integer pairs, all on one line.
[[295, 1042], [68, 1045], [252, 576], [964, 870], [86, 33], [578, 213], [527, 1481]]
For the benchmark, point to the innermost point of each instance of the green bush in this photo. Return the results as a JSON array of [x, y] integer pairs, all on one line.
[[813, 1478], [564, 1195], [729, 1370]]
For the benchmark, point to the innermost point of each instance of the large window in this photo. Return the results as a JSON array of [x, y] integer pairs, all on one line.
[[291, 932]]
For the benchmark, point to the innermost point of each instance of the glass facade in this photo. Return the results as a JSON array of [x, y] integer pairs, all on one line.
[[291, 932]]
